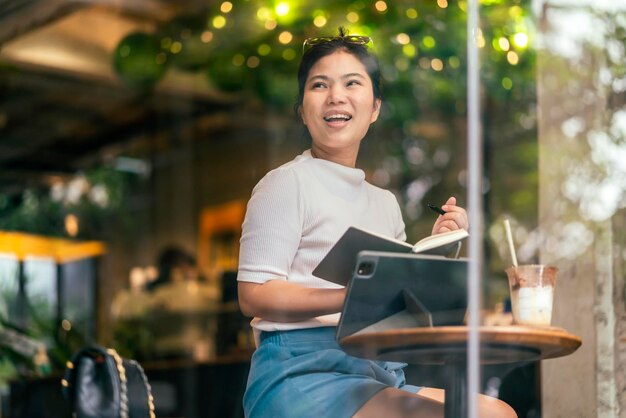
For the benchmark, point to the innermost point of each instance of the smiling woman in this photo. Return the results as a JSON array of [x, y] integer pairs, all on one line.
[[295, 215]]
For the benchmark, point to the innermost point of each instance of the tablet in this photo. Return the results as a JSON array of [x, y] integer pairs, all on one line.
[[399, 290]]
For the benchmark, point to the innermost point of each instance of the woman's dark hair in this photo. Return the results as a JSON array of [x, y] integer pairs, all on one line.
[[340, 43]]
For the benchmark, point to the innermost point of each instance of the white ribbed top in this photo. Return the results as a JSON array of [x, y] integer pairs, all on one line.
[[296, 214]]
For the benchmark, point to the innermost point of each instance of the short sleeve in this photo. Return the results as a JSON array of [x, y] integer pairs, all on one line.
[[272, 228]]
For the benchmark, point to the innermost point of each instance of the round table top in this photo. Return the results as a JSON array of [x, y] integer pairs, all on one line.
[[441, 345]]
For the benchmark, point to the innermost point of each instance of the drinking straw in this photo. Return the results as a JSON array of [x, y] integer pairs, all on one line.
[[509, 238]]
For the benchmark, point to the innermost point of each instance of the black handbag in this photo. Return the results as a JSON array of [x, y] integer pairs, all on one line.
[[99, 383]]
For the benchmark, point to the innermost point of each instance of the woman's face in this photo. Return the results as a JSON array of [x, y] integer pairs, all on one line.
[[338, 105]]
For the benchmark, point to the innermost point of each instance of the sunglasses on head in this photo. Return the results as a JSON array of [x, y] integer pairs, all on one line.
[[351, 39]]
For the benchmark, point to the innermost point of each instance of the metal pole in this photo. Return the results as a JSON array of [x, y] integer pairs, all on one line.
[[475, 213]]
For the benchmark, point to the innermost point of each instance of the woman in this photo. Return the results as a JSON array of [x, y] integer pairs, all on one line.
[[295, 215]]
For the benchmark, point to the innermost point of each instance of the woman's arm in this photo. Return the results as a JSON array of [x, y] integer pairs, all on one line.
[[282, 301]]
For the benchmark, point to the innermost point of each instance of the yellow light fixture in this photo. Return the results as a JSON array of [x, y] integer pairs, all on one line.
[[24, 245]]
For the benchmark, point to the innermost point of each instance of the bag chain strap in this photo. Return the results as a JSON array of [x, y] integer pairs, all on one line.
[[121, 370], [123, 384]]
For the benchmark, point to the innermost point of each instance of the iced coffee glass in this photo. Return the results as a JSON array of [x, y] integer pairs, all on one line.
[[532, 293]]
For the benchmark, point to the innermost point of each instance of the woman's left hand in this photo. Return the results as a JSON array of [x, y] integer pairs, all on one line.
[[455, 218]]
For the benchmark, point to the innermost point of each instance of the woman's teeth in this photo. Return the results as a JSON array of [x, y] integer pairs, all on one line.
[[333, 118]]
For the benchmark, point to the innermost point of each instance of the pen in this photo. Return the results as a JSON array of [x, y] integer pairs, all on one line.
[[437, 209]]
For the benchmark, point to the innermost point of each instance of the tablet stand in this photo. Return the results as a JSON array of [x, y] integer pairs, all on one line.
[[413, 315]]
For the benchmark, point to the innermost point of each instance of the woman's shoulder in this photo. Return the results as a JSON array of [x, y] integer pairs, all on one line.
[[287, 172], [379, 191], [283, 180]]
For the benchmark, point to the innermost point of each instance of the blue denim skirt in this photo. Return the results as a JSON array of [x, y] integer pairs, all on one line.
[[305, 373]]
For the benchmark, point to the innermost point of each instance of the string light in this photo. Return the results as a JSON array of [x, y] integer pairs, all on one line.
[[219, 22], [226, 7], [403, 38], [520, 40], [285, 37], [512, 57], [381, 6], [352, 17], [263, 13], [436, 64], [411, 13], [503, 43], [207, 36], [442, 3], [282, 9], [319, 21]]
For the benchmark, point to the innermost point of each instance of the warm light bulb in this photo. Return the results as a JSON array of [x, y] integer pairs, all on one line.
[[207, 36], [282, 9], [504, 43], [319, 21], [381, 6], [520, 40], [403, 38], [226, 7], [285, 37], [71, 225], [219, 22], [436, 64]]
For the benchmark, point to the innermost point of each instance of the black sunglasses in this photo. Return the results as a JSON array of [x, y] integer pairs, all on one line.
[[351, 39]]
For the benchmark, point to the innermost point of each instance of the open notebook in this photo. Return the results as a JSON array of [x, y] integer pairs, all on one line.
[[337, 266]]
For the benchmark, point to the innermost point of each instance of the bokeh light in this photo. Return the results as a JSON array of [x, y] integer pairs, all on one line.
[[285, 37], [219, 22], [381, 6], [512, 57], [226, 7], [520, 40]]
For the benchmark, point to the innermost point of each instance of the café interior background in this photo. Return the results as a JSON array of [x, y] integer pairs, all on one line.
[[130, 127]]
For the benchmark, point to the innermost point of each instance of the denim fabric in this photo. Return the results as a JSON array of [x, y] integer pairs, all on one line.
[[305, 373]]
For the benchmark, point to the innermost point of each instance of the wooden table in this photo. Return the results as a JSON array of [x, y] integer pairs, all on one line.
[[447, 346]]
